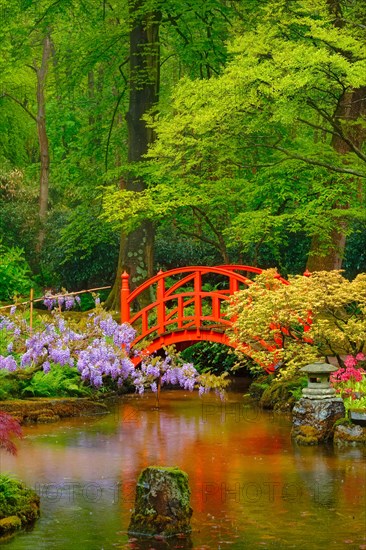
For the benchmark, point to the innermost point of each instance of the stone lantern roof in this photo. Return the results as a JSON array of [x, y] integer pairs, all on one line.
[[319, 368]]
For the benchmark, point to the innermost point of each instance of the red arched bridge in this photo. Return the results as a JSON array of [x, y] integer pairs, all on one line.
[[188, 304]]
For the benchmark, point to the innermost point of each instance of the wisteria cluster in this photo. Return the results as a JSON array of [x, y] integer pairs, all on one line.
[[98, 351], [101, 350], [66, 301], [158, 372], [99, 359]]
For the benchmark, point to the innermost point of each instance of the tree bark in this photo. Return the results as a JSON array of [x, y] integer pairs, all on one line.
[[349, 134], [137, 248]]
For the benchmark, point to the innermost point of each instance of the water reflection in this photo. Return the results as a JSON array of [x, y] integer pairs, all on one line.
[[250, 486]]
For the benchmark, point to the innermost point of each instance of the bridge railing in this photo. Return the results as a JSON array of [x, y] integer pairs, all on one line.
[[177, 308]]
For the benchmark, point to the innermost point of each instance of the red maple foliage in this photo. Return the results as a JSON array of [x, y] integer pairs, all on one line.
[[9, 428]]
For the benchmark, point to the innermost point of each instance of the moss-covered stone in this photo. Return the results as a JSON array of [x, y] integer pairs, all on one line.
[[313, 420], [280, 395], [47, 418], [51, 409], [349, 435], [307, 435], [9, 525], [257, 389], [19, 505], [162, 504]]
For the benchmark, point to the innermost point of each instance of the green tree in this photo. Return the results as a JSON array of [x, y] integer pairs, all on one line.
[[308, 320], [145, 54], [271, 147]]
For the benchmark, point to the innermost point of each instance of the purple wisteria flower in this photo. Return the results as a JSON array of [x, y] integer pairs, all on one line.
[[69, 302], [46, 367], [13, 310], [49, 302], [61, 356], [61, 324], [8, 363], [7, 324], [152, 372], [99, 359], [98, 351]]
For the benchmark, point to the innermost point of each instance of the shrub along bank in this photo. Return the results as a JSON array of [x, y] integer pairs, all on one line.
[[19, 505]]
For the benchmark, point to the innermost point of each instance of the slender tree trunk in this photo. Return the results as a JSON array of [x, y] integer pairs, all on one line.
[[351, 108], [137, 248], [43, 139]]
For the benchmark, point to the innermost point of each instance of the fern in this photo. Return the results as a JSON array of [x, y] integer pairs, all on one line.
[[59, 382]]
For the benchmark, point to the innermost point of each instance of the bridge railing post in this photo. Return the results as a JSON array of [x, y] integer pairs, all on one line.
[[234, 285], [160, 295], [197, 300], [125, 292]]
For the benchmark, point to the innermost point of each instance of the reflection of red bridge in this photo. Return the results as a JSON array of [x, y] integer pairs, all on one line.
[[186, 310]]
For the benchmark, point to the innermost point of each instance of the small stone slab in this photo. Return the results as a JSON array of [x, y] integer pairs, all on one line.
[[358, 417], [345, 435]]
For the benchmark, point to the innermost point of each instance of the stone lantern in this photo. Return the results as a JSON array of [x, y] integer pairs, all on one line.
[[314, 415], [318, 381]]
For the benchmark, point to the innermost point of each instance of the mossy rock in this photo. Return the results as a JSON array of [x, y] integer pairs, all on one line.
[[257, 389], [279, 395], [50, 409], [259, 385], [9, 525], [306, 435], [162, 504], [313, 420], [16, 501], [344, 421], [349, 435], [47, 418]]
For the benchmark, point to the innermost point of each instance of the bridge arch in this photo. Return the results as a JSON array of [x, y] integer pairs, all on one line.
[[184, 311]]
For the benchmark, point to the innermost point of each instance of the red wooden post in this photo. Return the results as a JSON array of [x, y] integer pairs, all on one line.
[[180, 311], [215, 307], [160, 294], [125, 292], [234, 285], [197, 300]]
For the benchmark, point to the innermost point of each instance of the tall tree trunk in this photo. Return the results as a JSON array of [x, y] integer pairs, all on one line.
[[136, 254], [351, 107], [43, 139]]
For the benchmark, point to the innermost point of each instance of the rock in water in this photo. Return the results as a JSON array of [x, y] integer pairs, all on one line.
[[162, 504], [313, 419], [349, 435]]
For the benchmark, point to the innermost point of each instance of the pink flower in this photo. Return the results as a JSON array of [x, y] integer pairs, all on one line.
[[350, 361], [360, 357]]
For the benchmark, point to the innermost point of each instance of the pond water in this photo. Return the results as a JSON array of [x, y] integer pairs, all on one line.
[[251, 486]]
